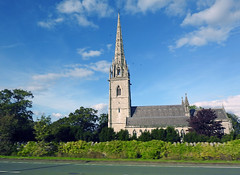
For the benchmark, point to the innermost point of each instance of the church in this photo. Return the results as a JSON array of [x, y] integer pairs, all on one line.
[[137, 119]]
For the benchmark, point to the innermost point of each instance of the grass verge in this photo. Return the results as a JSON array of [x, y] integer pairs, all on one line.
[[133, 161]]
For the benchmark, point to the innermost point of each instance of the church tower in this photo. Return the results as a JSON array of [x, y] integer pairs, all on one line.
[[119, 86]]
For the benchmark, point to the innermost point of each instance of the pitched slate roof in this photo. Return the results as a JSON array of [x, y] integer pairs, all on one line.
[[221, 114], [157, 116], [162, 116], [157, 111]]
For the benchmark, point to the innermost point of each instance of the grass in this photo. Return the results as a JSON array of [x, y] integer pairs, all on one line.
[[107, 160]]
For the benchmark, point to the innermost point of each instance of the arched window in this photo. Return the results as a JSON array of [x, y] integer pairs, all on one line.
[[118, 91], [134, 132]]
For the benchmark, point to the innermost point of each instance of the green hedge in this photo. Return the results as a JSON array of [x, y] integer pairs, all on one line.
[[154, 149]]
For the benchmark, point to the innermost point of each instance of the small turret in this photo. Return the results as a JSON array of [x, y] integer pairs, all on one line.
[[186, 105]]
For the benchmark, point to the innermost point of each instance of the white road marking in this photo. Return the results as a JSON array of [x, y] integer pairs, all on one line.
[[11, 172]]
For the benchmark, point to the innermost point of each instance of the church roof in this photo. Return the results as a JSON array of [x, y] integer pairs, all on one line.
[[153, 122], [162, 116], [157, 111], [157, 116], [221, 114]]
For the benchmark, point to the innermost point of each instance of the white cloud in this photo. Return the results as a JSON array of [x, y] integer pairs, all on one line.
[[58, 115], [101, 66], [83, 21], [213, 24], [37, 87], [109, 46], [177, 7], [172, 7], [70, 6], [202, 37], [202, 4], [80, 12], [43, 82], [231, 104], [47, 77], [75, 72], [101, 107], [79, 73], [222, 14], [100, 7], [50, 23], [151, 5], [87, 54]]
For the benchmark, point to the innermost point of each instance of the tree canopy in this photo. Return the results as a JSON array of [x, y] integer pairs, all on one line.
[[204, 123], [16, 124]]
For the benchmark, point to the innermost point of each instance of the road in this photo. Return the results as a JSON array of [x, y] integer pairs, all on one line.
[[68, 168]]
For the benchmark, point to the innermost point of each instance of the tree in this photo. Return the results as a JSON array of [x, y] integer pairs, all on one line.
[[84, 118], [172, 135], [42, 128], [235, 122], [191, 137], [123, 135], [158, 134], [107, 134], [103, 121], [14, 106], [16, 102], [145, 136], [80, 125], [204, 123], [7, 131]]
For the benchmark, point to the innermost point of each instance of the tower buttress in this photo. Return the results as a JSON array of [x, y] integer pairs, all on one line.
[[119, 86]]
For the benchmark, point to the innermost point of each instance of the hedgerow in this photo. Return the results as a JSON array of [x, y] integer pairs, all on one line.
[[154, 149]]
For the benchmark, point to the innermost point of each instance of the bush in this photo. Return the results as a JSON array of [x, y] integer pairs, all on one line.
[[145, 136], [7, 148], [74, 149], [155, 149], [37, 149]]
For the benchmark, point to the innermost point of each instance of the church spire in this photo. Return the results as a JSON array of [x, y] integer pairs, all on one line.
[[119, 52], [119, 67]]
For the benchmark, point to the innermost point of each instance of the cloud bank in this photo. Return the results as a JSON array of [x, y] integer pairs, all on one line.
[[42, 82], [231, 104], [211, 25], [79, 11]]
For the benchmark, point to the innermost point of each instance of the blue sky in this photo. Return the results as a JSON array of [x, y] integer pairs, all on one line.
[[61, 51]]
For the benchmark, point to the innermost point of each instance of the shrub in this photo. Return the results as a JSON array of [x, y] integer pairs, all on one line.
[[37, 149]]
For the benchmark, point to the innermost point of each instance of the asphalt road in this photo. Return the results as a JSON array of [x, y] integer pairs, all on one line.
[[63, 168]]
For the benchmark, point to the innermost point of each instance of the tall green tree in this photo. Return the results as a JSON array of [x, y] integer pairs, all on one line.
[[123, 135], [81, 124], [15, 106], [159, 134], [107, 134], [145, 136], [42, 128], [172, 135], [235, 123], [16, 102]]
